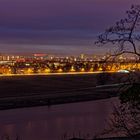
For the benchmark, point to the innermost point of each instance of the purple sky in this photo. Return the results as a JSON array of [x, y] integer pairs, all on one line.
[[57, 26]]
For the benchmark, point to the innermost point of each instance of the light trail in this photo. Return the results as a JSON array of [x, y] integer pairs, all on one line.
[[62, 73]]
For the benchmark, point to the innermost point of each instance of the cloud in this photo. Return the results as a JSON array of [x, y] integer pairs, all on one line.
[[73, 24]]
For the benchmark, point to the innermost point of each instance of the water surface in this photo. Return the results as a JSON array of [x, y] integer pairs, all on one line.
[[56, 122]]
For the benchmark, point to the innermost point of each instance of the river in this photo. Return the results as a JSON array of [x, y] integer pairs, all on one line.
[[84, 119]]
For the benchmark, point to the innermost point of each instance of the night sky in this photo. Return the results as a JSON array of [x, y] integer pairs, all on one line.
[[57, 26]]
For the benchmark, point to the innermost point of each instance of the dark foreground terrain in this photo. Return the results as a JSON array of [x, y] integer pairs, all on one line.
[[24, 91]]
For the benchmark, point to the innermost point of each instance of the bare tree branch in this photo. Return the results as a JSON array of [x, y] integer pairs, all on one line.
[[123, 32]]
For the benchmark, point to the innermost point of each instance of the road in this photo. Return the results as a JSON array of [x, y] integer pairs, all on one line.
[[61, 73]]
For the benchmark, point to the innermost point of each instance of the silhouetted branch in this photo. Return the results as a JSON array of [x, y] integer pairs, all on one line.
[[123, 32]]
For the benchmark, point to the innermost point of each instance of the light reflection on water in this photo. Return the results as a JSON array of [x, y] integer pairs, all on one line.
[[43, 123]]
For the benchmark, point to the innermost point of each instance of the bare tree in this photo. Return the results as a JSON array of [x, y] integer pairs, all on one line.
[[124, 33], [126, 116]]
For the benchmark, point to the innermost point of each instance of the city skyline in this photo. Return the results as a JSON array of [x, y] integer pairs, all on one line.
[[57, 26]]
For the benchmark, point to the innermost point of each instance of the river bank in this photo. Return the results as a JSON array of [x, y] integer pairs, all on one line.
[[28, 91]]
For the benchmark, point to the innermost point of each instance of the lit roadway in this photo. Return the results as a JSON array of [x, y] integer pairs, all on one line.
[[62, 73]]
